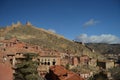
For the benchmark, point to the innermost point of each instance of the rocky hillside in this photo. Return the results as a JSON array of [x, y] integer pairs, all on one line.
[[43, 38], [105, 48]]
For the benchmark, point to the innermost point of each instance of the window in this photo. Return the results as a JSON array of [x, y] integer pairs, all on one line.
[[54, 63], [45, 60], [48, 63], [48, 59]]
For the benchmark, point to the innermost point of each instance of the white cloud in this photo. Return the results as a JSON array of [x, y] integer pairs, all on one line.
[[104, 38], [52, 30], [90, 22]]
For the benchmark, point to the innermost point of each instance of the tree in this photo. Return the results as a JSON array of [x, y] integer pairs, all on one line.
[[115, 72], [99, 76], [67, 66], [27, 70]]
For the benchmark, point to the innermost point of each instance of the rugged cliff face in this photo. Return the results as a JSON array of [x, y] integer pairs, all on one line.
[[44, 38]]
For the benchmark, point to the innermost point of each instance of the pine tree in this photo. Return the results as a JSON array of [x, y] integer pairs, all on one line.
[[27, 70]]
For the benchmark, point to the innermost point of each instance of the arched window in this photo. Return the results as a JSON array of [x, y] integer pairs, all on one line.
[[48, 63], [54, 61]]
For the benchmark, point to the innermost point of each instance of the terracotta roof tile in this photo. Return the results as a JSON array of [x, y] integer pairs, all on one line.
[[64, 74], [58, 70]]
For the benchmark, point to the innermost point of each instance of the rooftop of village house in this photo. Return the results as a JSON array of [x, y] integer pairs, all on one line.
[[64, 74]]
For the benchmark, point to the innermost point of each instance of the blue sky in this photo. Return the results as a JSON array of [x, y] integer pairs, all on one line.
[[90, 20]]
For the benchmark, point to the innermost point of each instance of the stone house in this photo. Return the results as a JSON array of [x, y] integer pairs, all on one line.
[[93, 62], [46, 59], [105, 64], [84, 60], [13, 49], [75, 61]]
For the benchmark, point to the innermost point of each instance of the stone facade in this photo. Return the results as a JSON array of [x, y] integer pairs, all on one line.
[[14, 51], [75, 61], [105, 64], [93, 62], [84, 60]]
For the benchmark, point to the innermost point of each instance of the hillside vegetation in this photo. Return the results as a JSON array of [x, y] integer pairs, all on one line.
[[44, 39]]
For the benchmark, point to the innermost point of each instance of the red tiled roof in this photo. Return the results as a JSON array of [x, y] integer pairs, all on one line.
[[64, 74], [58, 70]]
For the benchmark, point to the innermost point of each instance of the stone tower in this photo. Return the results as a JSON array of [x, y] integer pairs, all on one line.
[[28, 23]]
